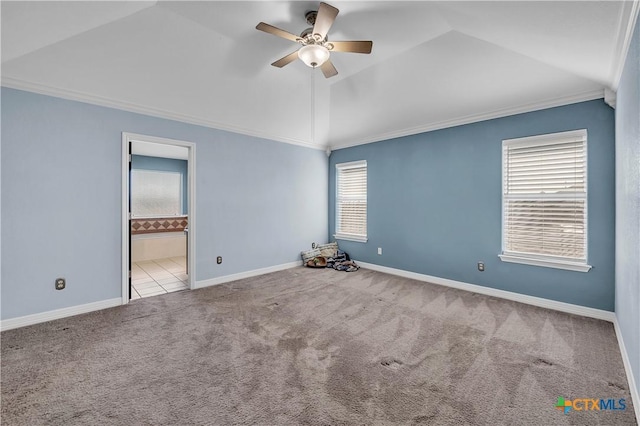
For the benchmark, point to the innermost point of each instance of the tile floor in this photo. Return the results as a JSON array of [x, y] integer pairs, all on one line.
[[160, 276]]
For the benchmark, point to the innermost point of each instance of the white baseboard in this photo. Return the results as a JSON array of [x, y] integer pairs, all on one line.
[[247, 274], [633, 386], [522, 298], [11, 323], [8, 324]]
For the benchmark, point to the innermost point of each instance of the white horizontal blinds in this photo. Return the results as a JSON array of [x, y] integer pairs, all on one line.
[[545, 194], [351, 199]]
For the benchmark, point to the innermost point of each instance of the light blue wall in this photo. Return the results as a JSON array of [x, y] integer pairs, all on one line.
[[143, 162], [628, 205], [257, 202], [434, 204]]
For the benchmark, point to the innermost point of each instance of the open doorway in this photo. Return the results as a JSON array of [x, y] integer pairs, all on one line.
[[158, 216]]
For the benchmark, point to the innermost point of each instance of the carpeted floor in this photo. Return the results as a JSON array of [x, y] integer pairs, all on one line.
[[308, 346]]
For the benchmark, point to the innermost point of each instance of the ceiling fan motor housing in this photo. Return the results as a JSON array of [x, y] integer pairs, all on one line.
[[307, 37], [306, 33]]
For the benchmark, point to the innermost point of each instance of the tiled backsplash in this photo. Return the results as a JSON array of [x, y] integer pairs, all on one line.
[[159, 224]]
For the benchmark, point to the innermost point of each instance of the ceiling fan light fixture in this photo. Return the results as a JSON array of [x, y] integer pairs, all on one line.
[[313, 55]]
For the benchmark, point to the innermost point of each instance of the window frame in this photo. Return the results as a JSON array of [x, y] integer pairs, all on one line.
[[534, 259], [342, 235]]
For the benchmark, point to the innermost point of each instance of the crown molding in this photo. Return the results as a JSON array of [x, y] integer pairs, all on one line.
[[625, 34], [18, 84], [14, 83], [474, 118], [610, 97]]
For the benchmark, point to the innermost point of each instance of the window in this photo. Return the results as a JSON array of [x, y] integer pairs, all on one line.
[[544, 200], [351, 201], [155, 193]]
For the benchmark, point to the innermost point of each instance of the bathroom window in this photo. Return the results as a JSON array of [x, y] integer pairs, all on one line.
[[155, 193]]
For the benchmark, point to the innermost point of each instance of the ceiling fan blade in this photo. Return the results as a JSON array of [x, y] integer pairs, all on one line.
[[326, 15], [328, 69], [286, 60], [276, 31], [352, 46]]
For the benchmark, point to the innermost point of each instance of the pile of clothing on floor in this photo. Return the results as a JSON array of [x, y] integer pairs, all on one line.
[[328, 256], [342, 262]]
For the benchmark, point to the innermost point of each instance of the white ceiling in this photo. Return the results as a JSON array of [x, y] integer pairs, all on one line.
[[433, 65]]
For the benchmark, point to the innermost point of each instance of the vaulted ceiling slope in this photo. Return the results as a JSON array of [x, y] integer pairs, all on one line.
[[433, 65]]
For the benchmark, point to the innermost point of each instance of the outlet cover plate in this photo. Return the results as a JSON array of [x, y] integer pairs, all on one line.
[[60, 283]]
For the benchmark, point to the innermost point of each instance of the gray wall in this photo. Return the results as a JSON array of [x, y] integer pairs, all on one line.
[[258, 201], [434, 204], [628, 205]]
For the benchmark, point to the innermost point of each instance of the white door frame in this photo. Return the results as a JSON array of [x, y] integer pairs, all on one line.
[[191, 188]]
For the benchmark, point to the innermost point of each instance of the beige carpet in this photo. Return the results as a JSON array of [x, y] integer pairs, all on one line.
[[308, 346]]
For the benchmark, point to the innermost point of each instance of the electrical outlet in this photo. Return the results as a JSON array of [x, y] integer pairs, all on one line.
[[379, 250], [481, 266], [219, 259], [313, 245], [61, 283]]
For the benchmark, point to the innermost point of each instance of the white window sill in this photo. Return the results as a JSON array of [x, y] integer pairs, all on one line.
[[357, 238], [569, 266]]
